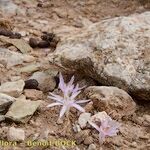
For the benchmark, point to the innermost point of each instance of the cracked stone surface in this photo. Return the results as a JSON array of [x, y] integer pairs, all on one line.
[[115, 52], [116, 102]]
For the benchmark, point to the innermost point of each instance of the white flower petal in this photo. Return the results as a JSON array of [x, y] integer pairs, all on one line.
[[53, 104], [94, 125], [57, 96], [76, 88], [63, 110], [78, 107], [75, 94], [56, 99], [82, 101], [62, 84], [101, 137], [82, 87], [71, 81]]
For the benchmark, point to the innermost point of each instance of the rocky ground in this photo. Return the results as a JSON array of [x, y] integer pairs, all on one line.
[[105, 44]]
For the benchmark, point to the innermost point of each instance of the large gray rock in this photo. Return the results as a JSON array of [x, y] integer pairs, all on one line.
[[22, 110], [115, 52]]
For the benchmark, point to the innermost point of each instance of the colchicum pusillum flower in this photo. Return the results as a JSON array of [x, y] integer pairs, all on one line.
[[70, 92], [108, 127]]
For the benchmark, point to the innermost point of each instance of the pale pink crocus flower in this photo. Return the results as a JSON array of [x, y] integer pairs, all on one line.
[[70, 92], [108, 127]]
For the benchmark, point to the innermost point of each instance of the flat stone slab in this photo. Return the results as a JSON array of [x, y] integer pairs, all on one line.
[[22, 110], [14, 88]]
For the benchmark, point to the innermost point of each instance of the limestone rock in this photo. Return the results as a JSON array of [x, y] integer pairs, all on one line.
[[92, 147], [16, 134], [98, 117], [22, 110], [29, 68], [14, 89], [10, 58], [8, 7], [62, 13], [76, 128], [33, 94], [114, 52], [46, 82], [83, 119], [116, 102], [5, 101]]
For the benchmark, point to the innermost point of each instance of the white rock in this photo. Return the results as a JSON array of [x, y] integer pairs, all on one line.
[[76, 128], [16, 134], [83, 119], [14, 89], [5, 101], [23, 33], [99, 117], [92, 147]]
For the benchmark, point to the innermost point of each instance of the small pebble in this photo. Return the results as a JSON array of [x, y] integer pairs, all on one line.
[[33, 42], [43, 44], [88, 140], [48, 36], [59, 121], [83, 119], [80, 136], [16, 134], [39, 5], [134, 144], [31, 84], [76, 128], [92, 147]]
